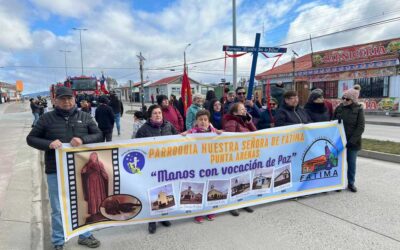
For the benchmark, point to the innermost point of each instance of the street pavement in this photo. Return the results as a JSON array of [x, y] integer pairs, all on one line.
[[369, 219]]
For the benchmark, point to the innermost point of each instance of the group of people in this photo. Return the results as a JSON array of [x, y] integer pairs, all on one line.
[[38, 108], [232, 113]]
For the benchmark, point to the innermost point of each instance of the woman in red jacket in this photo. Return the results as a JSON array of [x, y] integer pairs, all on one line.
[[238, 120]]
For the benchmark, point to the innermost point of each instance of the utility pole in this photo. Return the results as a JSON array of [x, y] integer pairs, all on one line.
[[141, 62], [130, 93], [80, 40], [65, 59], [184, 57], [234, 80]]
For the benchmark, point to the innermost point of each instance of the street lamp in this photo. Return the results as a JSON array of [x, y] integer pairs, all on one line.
[[80, 40], [65, 59]]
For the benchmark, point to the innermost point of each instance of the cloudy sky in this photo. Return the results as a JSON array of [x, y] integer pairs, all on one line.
[[34, 31]]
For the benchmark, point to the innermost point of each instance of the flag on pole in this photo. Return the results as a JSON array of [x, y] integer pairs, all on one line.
[[103, 84], [186, 91]]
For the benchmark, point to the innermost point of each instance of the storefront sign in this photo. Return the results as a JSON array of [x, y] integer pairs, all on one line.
[[353, 74], [359, 53], [175, 177]]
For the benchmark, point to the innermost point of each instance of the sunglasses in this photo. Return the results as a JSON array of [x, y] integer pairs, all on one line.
[[272, 104], [347, 99], [241, 93]]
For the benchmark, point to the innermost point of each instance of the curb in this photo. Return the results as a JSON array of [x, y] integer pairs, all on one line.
[[396, 124], [380, 156]]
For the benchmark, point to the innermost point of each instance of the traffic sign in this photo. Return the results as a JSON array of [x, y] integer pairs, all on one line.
[[253, 49]]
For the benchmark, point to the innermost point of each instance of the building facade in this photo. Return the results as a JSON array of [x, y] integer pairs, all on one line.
[[8, 92], [172, 86], [374, 66]]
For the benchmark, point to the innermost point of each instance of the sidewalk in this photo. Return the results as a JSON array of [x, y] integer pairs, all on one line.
[[20, 181]]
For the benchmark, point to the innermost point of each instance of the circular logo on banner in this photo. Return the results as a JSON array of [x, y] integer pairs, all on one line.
[[134, 162]]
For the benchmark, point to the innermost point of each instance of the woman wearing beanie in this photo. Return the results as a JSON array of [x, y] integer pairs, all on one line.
[[316, 108], [352, 115]]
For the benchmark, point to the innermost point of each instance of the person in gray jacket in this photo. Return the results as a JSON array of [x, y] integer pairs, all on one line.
[[65, 124]]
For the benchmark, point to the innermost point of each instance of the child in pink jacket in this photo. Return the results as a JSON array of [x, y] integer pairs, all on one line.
[[203, 125]]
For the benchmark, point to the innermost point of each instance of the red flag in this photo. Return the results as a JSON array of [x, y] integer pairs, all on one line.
[[186, 91]]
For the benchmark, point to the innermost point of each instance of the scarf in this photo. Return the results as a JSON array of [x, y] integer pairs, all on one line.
[[217, 116], [65, 113], [156, 124]]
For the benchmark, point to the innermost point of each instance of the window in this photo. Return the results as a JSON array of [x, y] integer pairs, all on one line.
[[330, 88], [175, 91], [373, 87]]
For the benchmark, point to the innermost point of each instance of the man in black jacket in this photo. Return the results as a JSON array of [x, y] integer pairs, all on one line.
[[105, 118], [35, 111], [117, 108], [290, 112], [65, 124]]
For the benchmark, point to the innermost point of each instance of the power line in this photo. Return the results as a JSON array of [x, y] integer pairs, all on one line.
[[390, 20], [358, 20], [346, 30]]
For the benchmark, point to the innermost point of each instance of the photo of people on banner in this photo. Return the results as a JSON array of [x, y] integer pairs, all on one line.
[[174, 177]]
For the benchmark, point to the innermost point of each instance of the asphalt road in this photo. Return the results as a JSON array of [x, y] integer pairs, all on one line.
[[382, 132]]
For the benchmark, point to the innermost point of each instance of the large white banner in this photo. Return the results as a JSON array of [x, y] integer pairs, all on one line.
[[174, 177]]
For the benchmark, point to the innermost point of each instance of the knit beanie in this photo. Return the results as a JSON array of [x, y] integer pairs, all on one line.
[[314, 96], [318, 90], [351, 94]]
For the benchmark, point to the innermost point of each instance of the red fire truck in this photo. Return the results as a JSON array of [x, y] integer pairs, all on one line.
[[82, 86]]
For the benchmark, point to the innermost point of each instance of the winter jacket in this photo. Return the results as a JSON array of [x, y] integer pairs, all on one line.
[[116, 105], [234, 123], [105, 118], [53, 125], [317, 112], [149, 130], [353, 120], [191, 115], [172, 115], [289, 115], [266, 119], [35, 108], [196, 130]]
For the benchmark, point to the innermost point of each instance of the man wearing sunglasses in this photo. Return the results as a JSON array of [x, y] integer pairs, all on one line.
[[352, 115], [252, 109]]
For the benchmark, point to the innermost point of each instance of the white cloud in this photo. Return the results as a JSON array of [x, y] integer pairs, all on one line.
[[15, 32], [68, 8], [117, 32], [325, 19]]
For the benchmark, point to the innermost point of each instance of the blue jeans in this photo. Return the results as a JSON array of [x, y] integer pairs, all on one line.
[[57, 236], [117, 121], [35, 118], [351, 165]]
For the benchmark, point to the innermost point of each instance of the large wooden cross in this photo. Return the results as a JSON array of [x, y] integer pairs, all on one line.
[[255, 50]]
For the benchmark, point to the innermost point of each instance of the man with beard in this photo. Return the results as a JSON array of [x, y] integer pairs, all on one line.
[[65, 124]]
